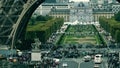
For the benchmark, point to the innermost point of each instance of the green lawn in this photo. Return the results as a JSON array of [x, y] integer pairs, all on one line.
[[71, 40], [80, 34]]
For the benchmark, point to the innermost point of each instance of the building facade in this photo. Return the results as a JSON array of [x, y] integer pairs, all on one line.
[[60, 13], [99, 3], [45, 8], [106, 8], [98, 14], [56, 1], [115, 7], [50, 1], [82, 13], [62, 1], [105, 11]]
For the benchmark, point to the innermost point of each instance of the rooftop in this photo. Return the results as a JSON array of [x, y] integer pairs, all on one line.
[[60, 10], [55, 4]]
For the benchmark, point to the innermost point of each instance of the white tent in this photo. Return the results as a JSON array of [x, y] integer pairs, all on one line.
[[75, 23]]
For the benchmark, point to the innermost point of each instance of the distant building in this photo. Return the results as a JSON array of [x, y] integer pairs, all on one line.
[[56, 1], [99, 3], [96, 15], [50, 1], [105, 13], [82, 13], [94, 3], [107, 9], [115, 7], [60, 13], [45, 8], [62, 1]]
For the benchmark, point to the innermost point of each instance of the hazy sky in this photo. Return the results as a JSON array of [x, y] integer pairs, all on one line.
[[79, 0]]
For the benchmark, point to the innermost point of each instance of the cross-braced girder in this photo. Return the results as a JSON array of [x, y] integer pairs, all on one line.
[[14, 17]]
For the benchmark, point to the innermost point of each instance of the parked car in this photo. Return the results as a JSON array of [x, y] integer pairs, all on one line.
[[87, 58], [65, 65], [57, 61]]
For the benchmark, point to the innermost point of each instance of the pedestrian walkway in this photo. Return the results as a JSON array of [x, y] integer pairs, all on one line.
[[105, 62]]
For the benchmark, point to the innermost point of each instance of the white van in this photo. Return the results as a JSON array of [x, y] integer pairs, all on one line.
[[98, 58]]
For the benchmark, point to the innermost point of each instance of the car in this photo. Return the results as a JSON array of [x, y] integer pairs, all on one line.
[[65, 65], [98, 58], [87, 58], [57, 61]]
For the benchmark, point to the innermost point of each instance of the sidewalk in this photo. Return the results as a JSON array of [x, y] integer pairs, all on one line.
[[105, 60]]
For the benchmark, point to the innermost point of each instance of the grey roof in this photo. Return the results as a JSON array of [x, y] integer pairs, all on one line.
[[102, 9], [60, 10], [102, 12], [55, 4]]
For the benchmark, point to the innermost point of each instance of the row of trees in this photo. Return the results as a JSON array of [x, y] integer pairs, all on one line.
[[43, 29], [33, 19], [39, 27], [100, 41], [112, 26]]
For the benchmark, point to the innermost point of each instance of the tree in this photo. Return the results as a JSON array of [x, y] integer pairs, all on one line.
[[117, 16], [40, 18], [32, 21], [117, 36], [48, 17]]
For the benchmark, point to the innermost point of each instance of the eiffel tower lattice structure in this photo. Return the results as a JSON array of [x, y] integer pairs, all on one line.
[[14, 17]]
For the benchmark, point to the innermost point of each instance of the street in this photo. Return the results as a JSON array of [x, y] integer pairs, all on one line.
[[91, 65], [80, 63], [87, 64], [70, 64]]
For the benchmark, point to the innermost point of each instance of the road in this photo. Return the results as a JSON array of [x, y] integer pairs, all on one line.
[[91, 65], [87, 64], [79, 63], [70, 64]]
